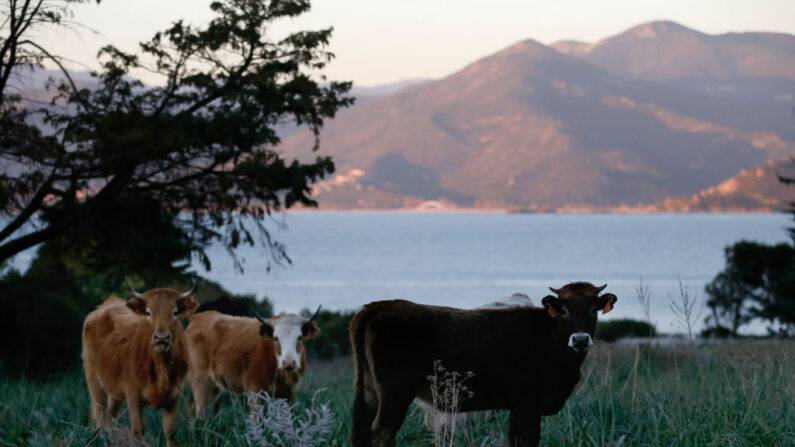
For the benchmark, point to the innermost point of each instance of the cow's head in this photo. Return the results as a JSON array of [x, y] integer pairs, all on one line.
[[575, 309], [162, 309], [289, 331]]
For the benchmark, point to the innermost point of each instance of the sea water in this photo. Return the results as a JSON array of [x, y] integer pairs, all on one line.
[[342, 260]]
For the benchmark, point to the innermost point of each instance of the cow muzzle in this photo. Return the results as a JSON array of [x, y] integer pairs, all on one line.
[[289, 364], [580, 341], [161, 342]]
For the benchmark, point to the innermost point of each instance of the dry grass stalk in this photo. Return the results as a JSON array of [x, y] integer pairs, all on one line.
[[644, 299], [685, 310], [448, 391], [606, 378]]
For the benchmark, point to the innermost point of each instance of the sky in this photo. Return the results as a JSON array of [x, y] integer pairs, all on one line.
[[378, 42]]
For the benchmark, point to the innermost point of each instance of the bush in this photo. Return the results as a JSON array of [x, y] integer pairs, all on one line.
[[41, 329], [614, 329], [717, 332], [333, 340], [275, 422]]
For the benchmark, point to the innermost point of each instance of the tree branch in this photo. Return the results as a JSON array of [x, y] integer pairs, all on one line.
[[31, 208], [20, 244]]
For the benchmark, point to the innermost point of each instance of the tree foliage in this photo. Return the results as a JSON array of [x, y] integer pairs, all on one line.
[[758, 282], [144, 176]]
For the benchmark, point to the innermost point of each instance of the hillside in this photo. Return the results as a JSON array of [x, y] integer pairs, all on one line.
[[536, 128], [755, 189]]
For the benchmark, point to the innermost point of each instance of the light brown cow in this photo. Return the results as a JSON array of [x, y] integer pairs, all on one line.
[[135, 351], [242, 355]]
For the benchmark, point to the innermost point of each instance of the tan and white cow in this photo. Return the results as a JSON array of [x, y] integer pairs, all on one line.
[[135, 351], [243, 354]]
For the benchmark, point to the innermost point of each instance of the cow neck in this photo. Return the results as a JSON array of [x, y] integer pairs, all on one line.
[[575, 357], [162, 363]]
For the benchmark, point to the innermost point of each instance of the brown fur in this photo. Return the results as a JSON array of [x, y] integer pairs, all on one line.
[[519, 356], [122, 365], [230, 353]]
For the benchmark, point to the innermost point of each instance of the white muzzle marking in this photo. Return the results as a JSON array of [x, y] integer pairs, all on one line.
[[580, 341]]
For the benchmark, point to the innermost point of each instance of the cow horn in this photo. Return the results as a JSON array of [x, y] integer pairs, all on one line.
[[135, 293], [554, 290], [599, 289], [192, 289], [316, 312], [258, 316]]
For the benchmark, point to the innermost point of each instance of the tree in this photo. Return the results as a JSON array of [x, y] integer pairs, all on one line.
[[145, 177], [22, 193], [730, 293], [757, 282], [774, 297]]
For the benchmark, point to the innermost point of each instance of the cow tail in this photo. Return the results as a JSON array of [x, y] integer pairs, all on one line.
[[361, 432]]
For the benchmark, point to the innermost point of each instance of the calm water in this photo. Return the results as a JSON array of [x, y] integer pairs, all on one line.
[[345, 259]]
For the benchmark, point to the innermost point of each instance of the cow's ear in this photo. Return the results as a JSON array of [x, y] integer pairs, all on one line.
[[137, 305], [309, 329], [552, 305], [266, 329], [609, 300], [186, 305]]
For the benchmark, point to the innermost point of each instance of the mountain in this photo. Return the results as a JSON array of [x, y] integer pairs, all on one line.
[[547, 128], [752, 71], [754, 189], [666, 50]]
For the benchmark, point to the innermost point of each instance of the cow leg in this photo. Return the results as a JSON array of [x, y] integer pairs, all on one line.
[[392, 408], [136, 415], [203, 393], [365, 406], [525, 428], [170, 423], [114, 406], [99, 398]]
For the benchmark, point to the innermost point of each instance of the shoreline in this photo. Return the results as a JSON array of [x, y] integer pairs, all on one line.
[[563, 211]]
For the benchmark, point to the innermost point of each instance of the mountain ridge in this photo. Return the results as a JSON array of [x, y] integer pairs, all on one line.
[[533, 127]]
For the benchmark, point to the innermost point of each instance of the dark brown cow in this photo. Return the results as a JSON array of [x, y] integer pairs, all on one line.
[[135, 351], [526, 360]]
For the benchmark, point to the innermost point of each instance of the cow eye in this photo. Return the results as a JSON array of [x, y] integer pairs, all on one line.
[[148, 313], [174, 313], [564, 311], [594, 309]]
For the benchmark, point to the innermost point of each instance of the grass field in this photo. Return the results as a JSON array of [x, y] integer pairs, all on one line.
[[733, 395]]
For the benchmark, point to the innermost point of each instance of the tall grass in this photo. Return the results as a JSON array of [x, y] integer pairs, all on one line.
[[733, 395]]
